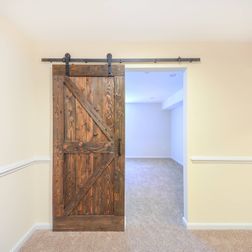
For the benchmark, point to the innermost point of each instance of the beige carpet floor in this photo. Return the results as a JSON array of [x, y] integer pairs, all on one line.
[[154, 210]]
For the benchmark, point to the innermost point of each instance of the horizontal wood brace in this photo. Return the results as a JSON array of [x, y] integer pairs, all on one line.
[[88, 147], [89, 223]]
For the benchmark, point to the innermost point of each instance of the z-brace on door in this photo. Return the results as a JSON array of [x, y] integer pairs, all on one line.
[[88, 148]]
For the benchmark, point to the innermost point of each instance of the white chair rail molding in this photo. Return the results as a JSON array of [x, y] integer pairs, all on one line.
[[222, 159], [16, 166]]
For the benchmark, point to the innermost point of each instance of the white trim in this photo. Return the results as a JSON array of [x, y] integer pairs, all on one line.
[[224, 159], [184, 221], [14, 167], [216, 226], [28, 234], [185, 142], [172, 67], [147, 157]]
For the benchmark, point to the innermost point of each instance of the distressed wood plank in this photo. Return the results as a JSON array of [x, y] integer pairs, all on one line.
[[86, 187], [58, 139], [89, 223], [119, 174], [97, 85], [84, 132], [70, 134], [89, 70], [95, 116], [88, 147]]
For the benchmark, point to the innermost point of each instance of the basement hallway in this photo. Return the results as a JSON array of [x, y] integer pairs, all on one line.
[[154, 211]]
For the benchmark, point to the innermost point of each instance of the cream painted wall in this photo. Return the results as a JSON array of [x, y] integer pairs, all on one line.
[[23, 201], [42, 195], [218, 102], [17, 96], [16, 207]]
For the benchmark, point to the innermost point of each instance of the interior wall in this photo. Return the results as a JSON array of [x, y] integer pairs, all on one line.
[[17, 99], [24, 202], [147, 130], [218, 102], [19, 194], [16, 207], [176, 133]]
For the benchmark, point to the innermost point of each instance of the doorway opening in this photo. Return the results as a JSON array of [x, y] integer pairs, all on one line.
[[155, 118]]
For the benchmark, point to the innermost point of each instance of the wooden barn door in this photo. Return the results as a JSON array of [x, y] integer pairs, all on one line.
[[88, 148]]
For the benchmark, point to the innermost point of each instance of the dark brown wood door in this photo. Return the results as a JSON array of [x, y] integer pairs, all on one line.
[[88, 148]]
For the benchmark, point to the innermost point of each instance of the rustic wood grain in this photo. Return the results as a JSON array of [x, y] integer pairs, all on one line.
[[89, 70], [69, 184], [58, 139], [91, 111], [87, 147], [82, 192], [84, 134], [88, 182], [89, 223], [119, 174]]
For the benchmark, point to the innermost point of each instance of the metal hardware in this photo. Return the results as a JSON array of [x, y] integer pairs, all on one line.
[[66, 60], [109, 60], [119, 147], [124, 60], [116, 181]]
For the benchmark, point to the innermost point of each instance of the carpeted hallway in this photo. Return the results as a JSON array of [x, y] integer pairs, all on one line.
[[154, 210]]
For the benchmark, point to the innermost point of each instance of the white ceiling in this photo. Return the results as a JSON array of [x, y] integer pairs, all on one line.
[[131, 20], [151, 87]]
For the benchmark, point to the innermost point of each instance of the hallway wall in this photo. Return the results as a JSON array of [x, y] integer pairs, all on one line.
[[24, 197], [147, 130], [176, 133]]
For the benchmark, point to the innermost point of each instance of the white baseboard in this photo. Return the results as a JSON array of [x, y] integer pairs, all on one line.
[[216, 226], [28, 234], [184, 221]]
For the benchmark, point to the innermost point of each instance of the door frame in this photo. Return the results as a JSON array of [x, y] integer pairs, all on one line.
[[184, 69]]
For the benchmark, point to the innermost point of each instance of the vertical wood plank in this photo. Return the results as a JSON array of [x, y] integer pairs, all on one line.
[[70, 135], [58, 138], [80, 135], [119, 174], [84, 133], [98, 97]]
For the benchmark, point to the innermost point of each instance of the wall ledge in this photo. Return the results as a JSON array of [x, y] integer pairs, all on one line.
[[14, 167], [224, 159], [28, 234], [216, 226]]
